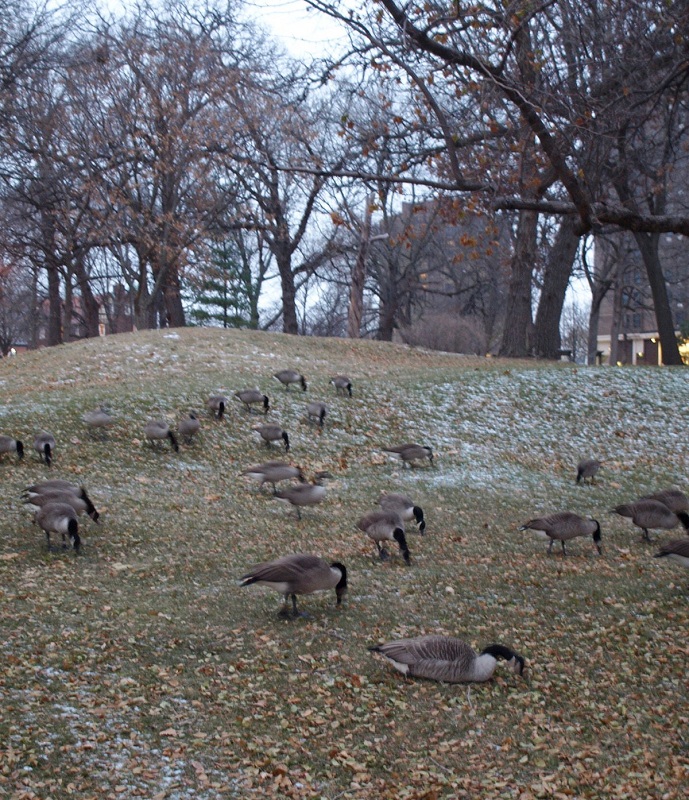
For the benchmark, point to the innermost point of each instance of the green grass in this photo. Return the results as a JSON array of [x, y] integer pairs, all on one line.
[[141, 669]]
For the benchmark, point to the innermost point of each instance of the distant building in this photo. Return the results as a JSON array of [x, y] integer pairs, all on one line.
[[629, 304]]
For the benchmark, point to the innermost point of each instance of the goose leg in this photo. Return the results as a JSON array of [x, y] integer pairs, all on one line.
[[382, 552], [550, 546], [564, 552], [646, 537]]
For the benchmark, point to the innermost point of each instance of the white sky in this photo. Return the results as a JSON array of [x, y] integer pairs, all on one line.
[[303, 31]]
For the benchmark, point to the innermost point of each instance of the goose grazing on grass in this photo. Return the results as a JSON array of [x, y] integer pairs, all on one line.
[[272, 433], [44, 445], [79, 501], [385, 526], [52, 484], [447, 659], [300, 573], [676, 550], [563, 527], [188, 427], [410, 453], [253, 397], [652, 514], [100, 419], [8, 444], [156, 430], [289, 376], [674, 499], [587, 469], [404, 506], [316, 412], [217, 403], [59, 518], [342, 384], [274, 472], [305, 494]]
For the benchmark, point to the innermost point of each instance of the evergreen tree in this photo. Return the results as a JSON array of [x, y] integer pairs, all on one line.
[[222, 297]]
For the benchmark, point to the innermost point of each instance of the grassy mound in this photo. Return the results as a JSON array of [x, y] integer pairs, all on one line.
[[141, 669]]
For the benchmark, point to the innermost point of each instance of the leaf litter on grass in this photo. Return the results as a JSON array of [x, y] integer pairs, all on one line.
[[141, 669]]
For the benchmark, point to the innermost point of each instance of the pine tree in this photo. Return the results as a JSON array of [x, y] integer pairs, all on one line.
[[222, 298]]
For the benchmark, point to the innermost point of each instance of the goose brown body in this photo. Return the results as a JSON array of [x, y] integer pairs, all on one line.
[[99, 419], [59, 518], [675, 550], [217, 403], [297, 574], [588, 469], [9, 444], [305, 494], [404, 506], [411, 453], [290, 376], [564, 526], [80, 502], [274, 472], [385, 526], [446, 659], [189, 426], [652, 515], [156, 430], [253, 397], [272, 433], [316, 412], [44, 445], [674, 499], [342, 384]]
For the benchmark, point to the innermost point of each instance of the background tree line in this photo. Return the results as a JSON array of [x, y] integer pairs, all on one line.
[[455, 163]]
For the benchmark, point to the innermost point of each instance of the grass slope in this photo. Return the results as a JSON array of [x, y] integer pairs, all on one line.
[[141, 669]]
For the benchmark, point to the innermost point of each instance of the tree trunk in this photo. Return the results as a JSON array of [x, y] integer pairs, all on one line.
[[558, 271], [648, 247], [54, 304], [598, 292], [172, 294], [518, 321], [290, 323], [90, 306], [356, 290], [616, 317], [68, 310]]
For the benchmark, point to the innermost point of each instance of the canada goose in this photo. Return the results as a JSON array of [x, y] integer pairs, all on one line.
[[305, 494], [447, 659], [251, 397], [274, 472], [52, 484], [404, 506], [564, 526], [588, 469], [189, 426], [672, 498], [10, 445], [272, 433], [217, 403], [316, 412], [341, 384], [383, 526], [410, 453], [59, 518], [44, 445], [98, 420], [676, 550], [300, 573], [288, 376], [647, 514], [157, 430], [79, 500]]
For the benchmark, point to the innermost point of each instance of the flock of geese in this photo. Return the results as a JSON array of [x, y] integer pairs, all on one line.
[[58, 503]]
